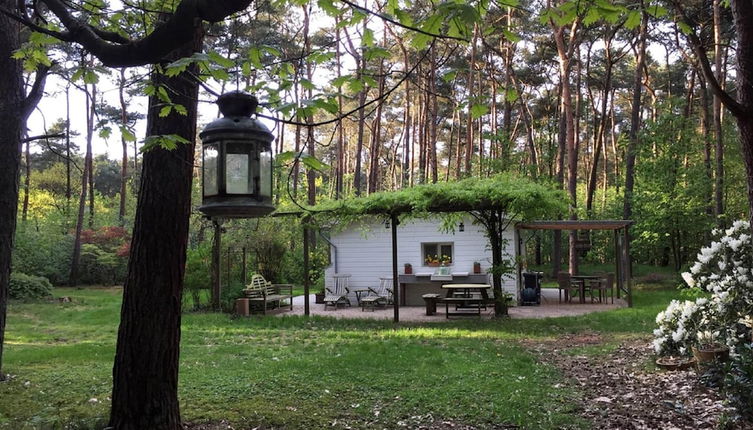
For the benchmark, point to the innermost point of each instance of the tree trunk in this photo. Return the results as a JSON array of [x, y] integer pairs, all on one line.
[[635, 118], [11, 128], [27, 179], [145, 374], [124, 144], [742, 11], [718, 131], [14, 110]]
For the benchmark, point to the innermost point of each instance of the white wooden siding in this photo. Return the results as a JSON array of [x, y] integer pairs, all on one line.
[[364, 250]]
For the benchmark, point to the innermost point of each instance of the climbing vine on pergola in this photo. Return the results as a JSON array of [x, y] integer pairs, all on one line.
[[494, 202]]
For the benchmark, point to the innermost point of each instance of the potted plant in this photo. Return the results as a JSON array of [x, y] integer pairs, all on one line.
[[408, 269], [476, 267], [709, 350], [319, 297], [432, 260]]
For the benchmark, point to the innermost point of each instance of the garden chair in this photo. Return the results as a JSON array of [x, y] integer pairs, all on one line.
[[379, 296], [338, 293], [566, 284], [602, 286]]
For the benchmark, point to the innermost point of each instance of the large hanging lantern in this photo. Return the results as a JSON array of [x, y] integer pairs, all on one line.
[[236, 161]]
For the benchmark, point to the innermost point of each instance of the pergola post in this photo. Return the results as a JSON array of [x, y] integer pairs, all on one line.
[[618, 262], [628, 268], [216, 270], [395, 281], [518, 247]]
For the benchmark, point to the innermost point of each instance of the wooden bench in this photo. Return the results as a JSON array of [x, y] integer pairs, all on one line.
[[473, 303], [267, 295]]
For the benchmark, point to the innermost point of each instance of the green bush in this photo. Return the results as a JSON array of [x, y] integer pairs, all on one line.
[[198, 273], [229, 294], [44, 252], [27, 287]]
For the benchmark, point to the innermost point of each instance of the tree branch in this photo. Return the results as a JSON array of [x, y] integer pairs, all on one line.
[[35, 93], [42, 136], [737, 109], [177, 30]]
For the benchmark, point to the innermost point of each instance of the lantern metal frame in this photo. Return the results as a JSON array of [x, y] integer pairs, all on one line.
[[237, 133]]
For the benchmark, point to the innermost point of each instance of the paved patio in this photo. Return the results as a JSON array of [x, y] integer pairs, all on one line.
[[550, 308]]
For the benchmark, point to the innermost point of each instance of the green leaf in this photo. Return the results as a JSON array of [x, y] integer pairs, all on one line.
[[355, 85], [127, 135], [162, 94], [329, 7], [450, 76], [219, 59], [371, 54], [165, 111], [511, 95], [368, 37], [477, 111], [308, 85], [313, 163], [340, 81], [254, 55], [180, 109], [633, 20], [684, 28], [105, 132], [90, 77]]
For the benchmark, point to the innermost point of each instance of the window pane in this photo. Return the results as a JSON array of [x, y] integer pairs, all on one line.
[[265, 173], [237, 180], [446, 250], [210, 170]]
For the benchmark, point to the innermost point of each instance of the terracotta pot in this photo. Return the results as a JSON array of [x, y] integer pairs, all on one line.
[[476, 267], [433, 264], [710, 354], [675, 363], [408, 269]]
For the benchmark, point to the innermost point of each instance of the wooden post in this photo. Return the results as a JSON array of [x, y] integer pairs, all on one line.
[[306, 281], [628, 268], [228, 267], [395, 281], [618, 262], [244, 273], [216, 281], [519, 253]]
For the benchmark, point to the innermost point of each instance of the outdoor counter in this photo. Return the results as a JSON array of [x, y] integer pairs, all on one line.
[[412, 287]]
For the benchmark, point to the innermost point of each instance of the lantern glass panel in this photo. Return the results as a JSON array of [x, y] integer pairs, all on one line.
[[265, 173], [238, 169], [210, 170]]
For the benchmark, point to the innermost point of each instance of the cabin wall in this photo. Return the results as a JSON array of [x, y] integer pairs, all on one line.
[[364, 250]]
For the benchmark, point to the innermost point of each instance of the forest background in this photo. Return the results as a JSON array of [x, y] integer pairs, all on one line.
[[362, 105]]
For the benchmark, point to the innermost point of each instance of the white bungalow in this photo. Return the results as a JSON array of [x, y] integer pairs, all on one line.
[[364, 251]]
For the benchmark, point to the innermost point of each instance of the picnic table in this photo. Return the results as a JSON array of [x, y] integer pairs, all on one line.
[[581, 281], [466, 297]]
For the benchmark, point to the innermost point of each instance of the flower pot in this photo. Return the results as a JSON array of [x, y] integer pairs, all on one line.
[[433, 264], [319, 298], [408, 269], [711, 353], [675, 363], [476, 267]]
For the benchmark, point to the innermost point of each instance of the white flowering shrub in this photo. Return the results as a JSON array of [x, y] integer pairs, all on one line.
[[679, 325], [724, 269]]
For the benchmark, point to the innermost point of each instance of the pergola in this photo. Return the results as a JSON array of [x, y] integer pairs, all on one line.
[[623, 261]]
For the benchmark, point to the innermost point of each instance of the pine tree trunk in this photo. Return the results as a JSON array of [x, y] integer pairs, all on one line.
[[145, 374], [124, 144], [12, 126], [718, 131]]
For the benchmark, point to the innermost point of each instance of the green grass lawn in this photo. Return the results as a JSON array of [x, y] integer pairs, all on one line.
[[294, 372]]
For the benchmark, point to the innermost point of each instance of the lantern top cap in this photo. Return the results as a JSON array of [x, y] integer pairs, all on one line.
[[237, 103]]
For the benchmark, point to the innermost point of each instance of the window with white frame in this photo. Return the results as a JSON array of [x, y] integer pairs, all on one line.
[[437, 253]]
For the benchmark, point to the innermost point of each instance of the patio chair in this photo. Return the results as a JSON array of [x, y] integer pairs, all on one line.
[[338, 294], [602, 286], [379, 296], [566, 284]]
